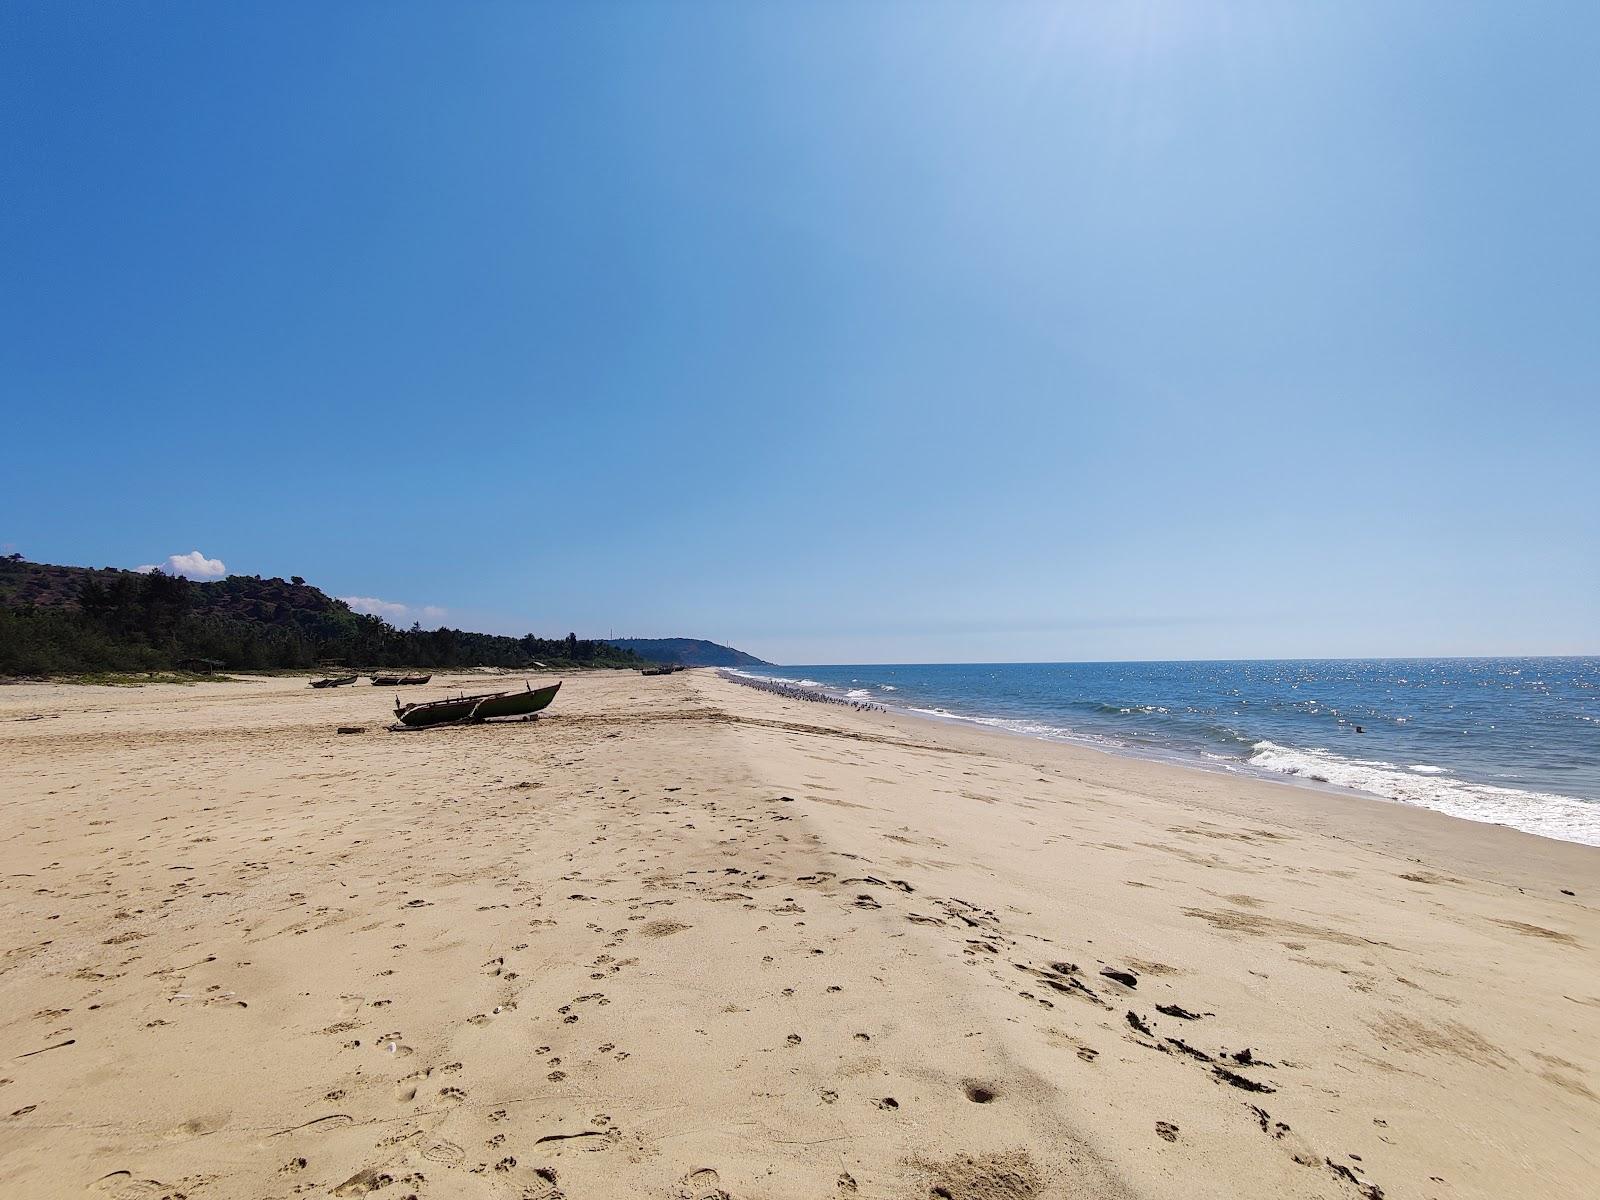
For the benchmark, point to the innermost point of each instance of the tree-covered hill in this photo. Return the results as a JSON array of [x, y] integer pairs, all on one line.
[[689, 652], [59, 620]]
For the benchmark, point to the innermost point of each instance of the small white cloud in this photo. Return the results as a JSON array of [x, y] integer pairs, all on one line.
[[193, 565], [395, 612], [375, 607]]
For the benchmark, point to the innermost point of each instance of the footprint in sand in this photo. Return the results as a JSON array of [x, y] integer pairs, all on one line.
[[405, 1090], [363, 1182], [703, 1184], [444, 1153], [196, 1127], [661, 929]]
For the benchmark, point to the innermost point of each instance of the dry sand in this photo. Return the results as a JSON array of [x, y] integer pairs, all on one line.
[[685, 939]]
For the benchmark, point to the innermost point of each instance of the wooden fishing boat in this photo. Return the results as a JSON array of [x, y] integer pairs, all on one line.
[[473, 709], [334, 681], [396, 680]]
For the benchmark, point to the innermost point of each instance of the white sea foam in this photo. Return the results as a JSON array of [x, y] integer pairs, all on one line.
[[858, 694], [810, 683], [1544, 813]]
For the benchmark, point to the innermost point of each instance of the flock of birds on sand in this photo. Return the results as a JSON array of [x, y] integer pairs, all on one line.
[[796, 692]]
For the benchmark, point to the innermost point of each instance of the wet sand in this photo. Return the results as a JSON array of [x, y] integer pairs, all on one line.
[[681, 938]]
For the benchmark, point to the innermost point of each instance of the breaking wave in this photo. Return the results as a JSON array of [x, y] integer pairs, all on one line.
[[1543, 813]]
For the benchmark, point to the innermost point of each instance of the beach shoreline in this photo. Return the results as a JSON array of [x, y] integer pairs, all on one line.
[[682, 937], [1572, 816]]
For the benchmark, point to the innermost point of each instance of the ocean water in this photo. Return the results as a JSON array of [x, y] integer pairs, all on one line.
[[1512, 741]]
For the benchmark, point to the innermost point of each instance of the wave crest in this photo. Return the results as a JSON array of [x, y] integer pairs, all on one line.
[[1543, 813]]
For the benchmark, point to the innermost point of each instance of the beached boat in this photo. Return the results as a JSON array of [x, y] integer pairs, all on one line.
[[396, 680], [334, 681], [484, 707]]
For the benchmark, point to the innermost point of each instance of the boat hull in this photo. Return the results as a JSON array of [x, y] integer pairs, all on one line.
[[485, 707], [516, 704]]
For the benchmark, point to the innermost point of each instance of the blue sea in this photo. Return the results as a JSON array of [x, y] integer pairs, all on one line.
[[1513, 741]]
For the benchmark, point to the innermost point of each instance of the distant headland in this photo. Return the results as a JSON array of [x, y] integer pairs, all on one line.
[[688, 652]]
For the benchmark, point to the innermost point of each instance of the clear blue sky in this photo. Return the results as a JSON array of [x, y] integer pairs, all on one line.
[[839, 332]]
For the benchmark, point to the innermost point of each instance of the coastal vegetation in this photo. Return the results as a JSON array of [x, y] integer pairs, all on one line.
[[57, 620]]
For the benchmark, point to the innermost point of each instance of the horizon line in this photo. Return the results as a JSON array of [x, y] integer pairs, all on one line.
[[1083, 662]]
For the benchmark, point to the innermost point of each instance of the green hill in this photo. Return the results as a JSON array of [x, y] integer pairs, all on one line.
[[57, 620], [688, 652]]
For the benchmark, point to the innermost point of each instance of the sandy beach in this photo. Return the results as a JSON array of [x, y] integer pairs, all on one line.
[[681, 938]]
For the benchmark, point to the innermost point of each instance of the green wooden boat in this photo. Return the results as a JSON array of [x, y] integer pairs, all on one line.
[[473, 709]]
